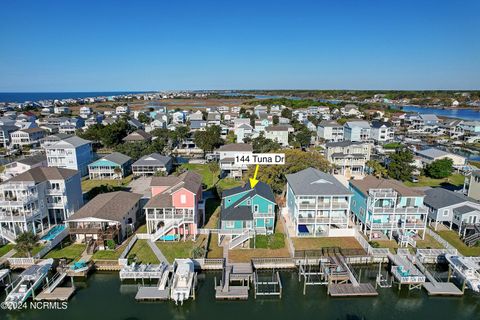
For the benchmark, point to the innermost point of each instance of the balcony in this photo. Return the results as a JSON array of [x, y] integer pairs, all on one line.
[[323, 205], [382, 193], [57, 192], [398, 210], [169, 216], [322, 220]]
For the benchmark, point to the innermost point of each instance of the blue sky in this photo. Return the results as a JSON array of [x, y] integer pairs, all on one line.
[[165, 45]]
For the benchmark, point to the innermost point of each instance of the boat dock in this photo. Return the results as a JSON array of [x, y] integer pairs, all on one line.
[[142, 271], [51, 290], [228, 289], [5, 277], [270, 287], [435, 287], [159, 292], [404, 271]]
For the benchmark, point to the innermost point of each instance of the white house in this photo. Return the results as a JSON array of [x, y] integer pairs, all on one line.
[[278, 133], [71, 153]]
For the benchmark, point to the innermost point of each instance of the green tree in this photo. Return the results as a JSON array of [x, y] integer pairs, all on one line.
[[26, 242], [296, 160], [261, 144], [143, 118], [440, 169], [400, 166], [275, 119], [303, 137], [231, 137], [379, 171], [209, 139], [287, 113]]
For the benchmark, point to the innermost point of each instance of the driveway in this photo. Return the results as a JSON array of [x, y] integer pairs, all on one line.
[[142, 186]]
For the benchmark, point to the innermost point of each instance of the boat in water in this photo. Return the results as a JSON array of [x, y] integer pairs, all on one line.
[[182, 280], [466, 269], [28, 281]]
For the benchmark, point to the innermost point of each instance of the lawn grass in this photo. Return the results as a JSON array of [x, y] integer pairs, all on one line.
[[35, 250], [5, 249], [71, 252], [143, 253], [452, 237], [273, 241], [455, 180], [177, 249], [392, 245], [325, 242], [428, 243], [142, 229], [210, 179], [89, 184], [214, 250]]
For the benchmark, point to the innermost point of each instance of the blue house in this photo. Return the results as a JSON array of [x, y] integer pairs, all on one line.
[[245, 212], [388, 208], [113, 166]]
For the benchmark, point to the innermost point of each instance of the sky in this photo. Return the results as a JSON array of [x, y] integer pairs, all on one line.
[[107, 45]]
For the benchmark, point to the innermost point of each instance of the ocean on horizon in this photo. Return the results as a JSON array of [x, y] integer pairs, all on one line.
[[37, 96]]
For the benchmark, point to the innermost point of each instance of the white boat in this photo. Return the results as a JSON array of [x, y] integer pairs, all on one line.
[[466, 269], [28, 281], [182, 280]]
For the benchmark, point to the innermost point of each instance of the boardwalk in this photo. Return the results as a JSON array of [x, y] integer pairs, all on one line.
[[157, 252]]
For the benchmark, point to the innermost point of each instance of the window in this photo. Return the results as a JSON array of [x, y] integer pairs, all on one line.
[[183, 199], [229, 224], [445, 213], [255, 208]]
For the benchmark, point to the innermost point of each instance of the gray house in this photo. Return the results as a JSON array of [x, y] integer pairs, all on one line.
[[151, 164], [453, 208]]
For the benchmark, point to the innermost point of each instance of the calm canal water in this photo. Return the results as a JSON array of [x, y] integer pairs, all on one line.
[[465, 114], [103, 297]]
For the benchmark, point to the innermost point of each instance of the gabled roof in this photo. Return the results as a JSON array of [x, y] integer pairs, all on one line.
[[371, 182], [329, 123], [278, 128], [345, 143], [188, 180], [439, 198], [261, 188], [244, 147], [153, 159], [74, 141], [433, 153], [139, 135], [41, 174], [33, 159], [112, 206], [116, 157], [361, 124], [312, 181]]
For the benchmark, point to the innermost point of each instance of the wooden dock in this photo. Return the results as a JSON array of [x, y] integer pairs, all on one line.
[[350, 290], [233, 293], [152, 294], [236, 273], [57, 294]]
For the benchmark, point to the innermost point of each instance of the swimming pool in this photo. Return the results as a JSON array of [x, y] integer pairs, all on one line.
[[52, 233]]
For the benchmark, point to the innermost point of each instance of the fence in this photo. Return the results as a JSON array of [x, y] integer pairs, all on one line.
[[440, 240], [122, 260]]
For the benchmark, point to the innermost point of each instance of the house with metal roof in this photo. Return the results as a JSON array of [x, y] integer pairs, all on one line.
[[245, 212], [452, 208], [151, 164], [386, 208], [427, 156], [106, 220], [113, 166], [318, 204], [176, 208]]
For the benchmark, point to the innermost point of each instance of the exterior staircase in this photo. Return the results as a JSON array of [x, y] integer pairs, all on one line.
[[235, 242], [166, 228], [7, 234]]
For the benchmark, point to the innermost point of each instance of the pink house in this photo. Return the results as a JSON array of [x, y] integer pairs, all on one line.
[[173, 211]]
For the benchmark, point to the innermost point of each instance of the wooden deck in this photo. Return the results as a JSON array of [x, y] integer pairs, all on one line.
[[152, 294], [350, 290], [57, 294], [442, 289], [233, 293]]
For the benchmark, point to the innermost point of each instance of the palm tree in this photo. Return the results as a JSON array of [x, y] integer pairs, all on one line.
[[26, 242]]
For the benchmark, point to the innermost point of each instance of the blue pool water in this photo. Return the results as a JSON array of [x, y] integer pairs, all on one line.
[[169, 237], [53, 232]]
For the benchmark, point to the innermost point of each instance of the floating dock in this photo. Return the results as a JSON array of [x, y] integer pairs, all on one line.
[[57, 294], [435, 287], [351, 290]]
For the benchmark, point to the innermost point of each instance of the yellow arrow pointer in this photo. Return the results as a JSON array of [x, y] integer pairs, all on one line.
[[254, 181]]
